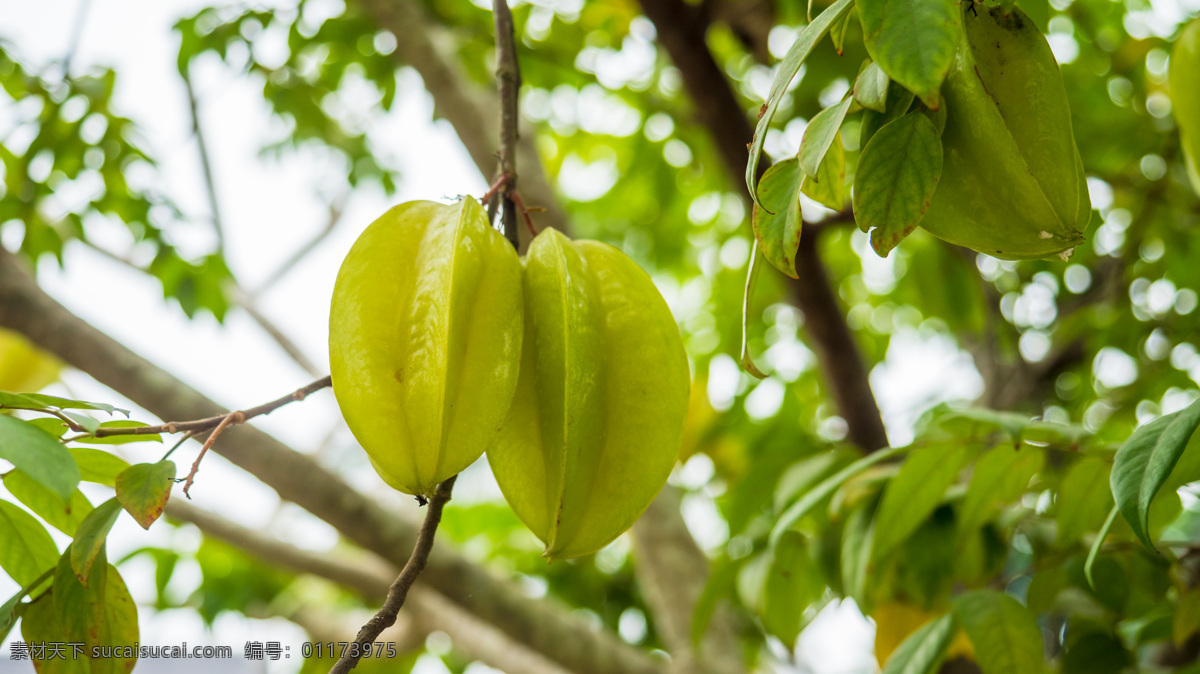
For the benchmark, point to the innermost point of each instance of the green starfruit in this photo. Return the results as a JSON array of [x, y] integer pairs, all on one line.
[[1012, 183], [597, 420], [1185, 97], [425, 337]]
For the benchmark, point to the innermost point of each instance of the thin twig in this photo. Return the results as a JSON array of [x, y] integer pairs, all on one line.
[[398, 592], [230, 419], [186, 436], [520, 204], [508, 79], [206, 164], [76, 36], [494, 189], [201, 425], [336, 207], [246, 302], [249, 304]]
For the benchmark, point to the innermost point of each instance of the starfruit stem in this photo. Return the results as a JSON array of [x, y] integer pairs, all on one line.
[[398, 592]]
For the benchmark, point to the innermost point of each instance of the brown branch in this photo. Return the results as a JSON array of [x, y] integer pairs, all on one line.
[[230, 419], [672, 573], [544, 625], [221, 420], [508, 82], [430, 49], [841, 361], [398, 592], [371, 577], [681, 31]]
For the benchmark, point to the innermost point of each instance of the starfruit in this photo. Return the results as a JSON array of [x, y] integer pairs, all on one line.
[[597, 419], [1012, 182], [425, 337], [1185, 97]]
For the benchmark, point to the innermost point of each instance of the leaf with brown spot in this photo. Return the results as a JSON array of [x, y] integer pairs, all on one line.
[[143, 490]]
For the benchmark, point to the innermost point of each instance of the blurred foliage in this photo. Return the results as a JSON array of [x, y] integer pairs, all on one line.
[[1005, 499], [73, 165]]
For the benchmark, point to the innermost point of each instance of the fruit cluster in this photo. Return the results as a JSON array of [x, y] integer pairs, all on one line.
[[566, 367], [996, 169]]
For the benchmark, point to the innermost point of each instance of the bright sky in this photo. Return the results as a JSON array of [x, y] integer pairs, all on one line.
[[270, 209]]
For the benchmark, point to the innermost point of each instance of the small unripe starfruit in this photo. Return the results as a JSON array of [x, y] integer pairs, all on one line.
[[425, 340], [597, 419], [1184, 80], [1012, 183]]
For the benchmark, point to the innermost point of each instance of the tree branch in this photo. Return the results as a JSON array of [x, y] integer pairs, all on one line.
[[371, 577], [470, 109], [681, 32], [508, 81], [672, 572], [398, 592], [543, 625], [201, 425]]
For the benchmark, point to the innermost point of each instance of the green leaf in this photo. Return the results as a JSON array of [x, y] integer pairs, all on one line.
[[820, 134], [923, 650], [89, 539], [40, 624], [1096, 651], [89, 424], [1000, 477], [1094, 552], [857, 535], [793, 584], [100, 614], [121, 439], [1012, 423], [913, 41], [52, 425], [824, 490], [46, 402], [18, 401], [1039, 11], [26, 548], [1083, 499], [143, 490], [915, 492], [720, 583], [802, 475], [777, 223], [871, 88], [98, 466], [1143, 464], [1187, 617], [801, 48], [120, 627], [898, 102], [755, 265], [9, 612], [897, 174], [39, 455], [79, 605], [62, 515], [828, 187], [837, 32], [1004, 633]]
